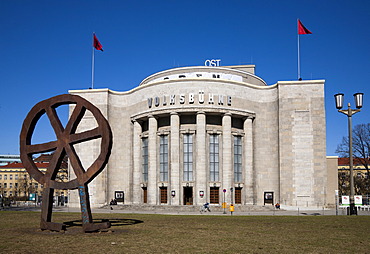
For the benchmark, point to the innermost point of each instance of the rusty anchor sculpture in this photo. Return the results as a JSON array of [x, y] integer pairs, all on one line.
[[67, 137]]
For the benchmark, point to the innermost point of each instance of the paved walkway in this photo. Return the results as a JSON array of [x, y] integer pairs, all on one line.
[[280, 212]]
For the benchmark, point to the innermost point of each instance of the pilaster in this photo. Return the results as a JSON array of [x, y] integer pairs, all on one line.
[[201, 167], [175, 159], [227, 169], [248, 174], [152, 165], [136, 188]]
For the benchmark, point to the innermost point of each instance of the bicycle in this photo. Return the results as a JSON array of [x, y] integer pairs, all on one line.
[[205, 208]]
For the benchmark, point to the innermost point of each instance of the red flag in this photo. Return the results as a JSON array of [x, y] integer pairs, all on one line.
[[302, 29], [97, 44]]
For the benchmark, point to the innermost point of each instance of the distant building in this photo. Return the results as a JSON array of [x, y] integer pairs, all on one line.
[[9, 158], [16, 183], [191, 135], [361, 177], [358, 167]]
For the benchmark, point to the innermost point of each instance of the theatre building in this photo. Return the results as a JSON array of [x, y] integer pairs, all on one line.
[[191, 135]]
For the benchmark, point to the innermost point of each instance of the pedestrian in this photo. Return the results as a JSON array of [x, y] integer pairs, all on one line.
[[206, 207]]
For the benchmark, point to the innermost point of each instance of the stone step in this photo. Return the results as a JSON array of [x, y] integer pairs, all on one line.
[[188, 208]]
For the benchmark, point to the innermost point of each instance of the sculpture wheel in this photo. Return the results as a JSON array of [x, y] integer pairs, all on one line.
[[67, 137]]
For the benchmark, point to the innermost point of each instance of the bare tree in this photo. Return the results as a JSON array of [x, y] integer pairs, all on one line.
[[360, 184], [361, 154], [17, 190], [343, 183], [24, 187]]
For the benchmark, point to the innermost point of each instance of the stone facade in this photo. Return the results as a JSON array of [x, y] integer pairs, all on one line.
[[246, 137]]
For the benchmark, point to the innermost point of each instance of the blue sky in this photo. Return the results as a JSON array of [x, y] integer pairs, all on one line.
[[46, 48]]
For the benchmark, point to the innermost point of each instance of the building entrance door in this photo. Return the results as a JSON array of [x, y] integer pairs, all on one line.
[[188, 195], [238, 195], [163, 195], [214, 195], [145, 195]]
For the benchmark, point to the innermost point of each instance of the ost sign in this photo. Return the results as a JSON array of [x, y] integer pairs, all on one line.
[[212, 62]]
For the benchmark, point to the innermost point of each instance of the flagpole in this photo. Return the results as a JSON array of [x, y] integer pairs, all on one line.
[[92, 66], [95, 45], [299, 59]]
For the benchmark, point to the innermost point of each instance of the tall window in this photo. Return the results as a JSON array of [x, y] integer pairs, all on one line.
[[163, 158], [188, 157], [145, 159], [238, 159], [214, 157]]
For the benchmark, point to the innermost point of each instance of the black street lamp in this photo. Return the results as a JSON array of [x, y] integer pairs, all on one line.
[[349, 112]]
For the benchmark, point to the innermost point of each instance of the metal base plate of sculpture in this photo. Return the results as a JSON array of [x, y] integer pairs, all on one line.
[[67, 137]]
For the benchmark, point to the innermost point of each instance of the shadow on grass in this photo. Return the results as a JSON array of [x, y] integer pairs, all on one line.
[[113, 222]]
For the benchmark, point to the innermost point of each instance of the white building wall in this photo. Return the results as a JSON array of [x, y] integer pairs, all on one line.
[[279, 138]]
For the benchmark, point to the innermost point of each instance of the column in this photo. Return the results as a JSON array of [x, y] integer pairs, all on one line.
[[175, 159], [248, 174], [201, 167], [152, 163], [136, 179], [227, 165]]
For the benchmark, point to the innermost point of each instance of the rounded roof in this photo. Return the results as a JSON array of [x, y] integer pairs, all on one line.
[[205, 72]]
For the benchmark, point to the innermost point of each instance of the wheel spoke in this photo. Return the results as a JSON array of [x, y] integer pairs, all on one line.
[[42, 148], [55, 121], [85, 136], [75, 162], [75, 119], [54, 164]]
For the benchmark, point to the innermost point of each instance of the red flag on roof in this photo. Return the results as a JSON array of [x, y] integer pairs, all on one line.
[[97, 45], [302, 29]]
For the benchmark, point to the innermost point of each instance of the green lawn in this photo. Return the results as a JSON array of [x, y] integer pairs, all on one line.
[[138, 233]]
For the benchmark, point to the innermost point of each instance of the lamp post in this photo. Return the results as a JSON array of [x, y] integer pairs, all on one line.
[[349, 112]]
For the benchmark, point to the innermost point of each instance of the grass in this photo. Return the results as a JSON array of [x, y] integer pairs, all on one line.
[[140, 233]]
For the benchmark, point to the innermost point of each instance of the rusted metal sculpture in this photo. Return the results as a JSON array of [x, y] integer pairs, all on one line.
[[67, 137]]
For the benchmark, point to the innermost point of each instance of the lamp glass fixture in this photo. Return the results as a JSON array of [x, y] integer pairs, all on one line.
[[339, 100], [358, 99]]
